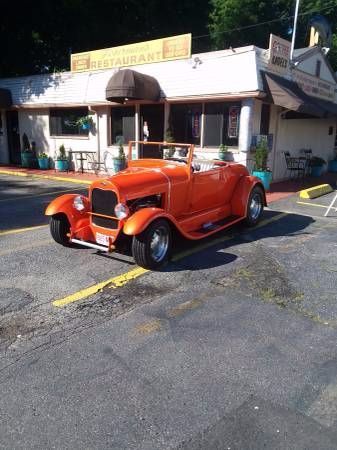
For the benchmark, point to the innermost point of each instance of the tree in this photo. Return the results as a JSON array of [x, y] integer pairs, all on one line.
[[245, 22]]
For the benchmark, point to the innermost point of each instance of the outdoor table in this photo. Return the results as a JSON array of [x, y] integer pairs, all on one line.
[[81, 158]]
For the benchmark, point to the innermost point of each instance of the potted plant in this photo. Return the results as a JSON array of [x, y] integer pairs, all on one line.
[[169, 149], [85, 122], [119, 161], [27, 154], [225, 154], [260, 164], [316, 165], [61, 162], [43, 160]]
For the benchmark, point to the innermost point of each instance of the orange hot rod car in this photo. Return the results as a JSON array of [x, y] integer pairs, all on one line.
[[153, 197]]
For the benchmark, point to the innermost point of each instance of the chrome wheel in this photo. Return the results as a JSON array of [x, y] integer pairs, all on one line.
[[255, 206], [159, 244]]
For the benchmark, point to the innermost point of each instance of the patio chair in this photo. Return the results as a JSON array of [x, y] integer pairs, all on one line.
[[295, 165]]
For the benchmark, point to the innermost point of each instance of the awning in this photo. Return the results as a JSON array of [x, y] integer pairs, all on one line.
[[288, 94], [132, 85], [5, 98]]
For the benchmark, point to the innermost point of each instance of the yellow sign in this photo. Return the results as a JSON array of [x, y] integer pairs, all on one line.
[[166, 49]]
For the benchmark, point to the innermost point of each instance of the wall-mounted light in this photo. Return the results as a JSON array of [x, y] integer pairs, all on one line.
[[197, 62]]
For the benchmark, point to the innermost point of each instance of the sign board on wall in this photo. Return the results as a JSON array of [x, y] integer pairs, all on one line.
[[314, 86], [279, 54], [166, 49]]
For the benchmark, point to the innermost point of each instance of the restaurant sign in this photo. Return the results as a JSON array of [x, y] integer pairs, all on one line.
[[314, 86], [279, 54], [166, 49]]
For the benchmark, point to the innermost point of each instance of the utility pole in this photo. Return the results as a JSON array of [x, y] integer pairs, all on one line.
[[294, 30]]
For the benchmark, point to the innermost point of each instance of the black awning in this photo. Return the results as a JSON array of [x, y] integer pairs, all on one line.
[[288, 94], [5, 98], [132, 85]]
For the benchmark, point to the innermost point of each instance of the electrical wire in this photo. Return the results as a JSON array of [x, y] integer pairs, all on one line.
[[265, 23]]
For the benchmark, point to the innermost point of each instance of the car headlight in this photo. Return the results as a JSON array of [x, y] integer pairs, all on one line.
[[79, 203], [121, 211]]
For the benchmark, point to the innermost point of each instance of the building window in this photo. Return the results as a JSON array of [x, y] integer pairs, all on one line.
[[222, 122], [63, 122], [318, 68], [265, 118], [185, 123], [122, 124]]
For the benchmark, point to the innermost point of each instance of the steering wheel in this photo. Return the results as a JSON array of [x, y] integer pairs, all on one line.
[[177, 159]]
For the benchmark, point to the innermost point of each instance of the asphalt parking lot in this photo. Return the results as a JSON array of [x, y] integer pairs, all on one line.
[[233, 345]]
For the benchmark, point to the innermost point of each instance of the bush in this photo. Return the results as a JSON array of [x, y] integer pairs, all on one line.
[[261, 157]]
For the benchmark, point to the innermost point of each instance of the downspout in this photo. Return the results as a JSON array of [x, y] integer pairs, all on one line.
[[98, 134]]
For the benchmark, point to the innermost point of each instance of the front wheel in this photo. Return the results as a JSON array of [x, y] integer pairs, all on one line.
[[59, 229], [255, 206], [151, 248]]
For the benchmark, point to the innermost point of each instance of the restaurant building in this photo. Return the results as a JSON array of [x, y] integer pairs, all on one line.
[[235, 97]]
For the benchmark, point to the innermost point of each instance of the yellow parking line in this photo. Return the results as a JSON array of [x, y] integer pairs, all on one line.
[[123, 279], [21, 230], [23, 197], [45, 177], [115, 282]]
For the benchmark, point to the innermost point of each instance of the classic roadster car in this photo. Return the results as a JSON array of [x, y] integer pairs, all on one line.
[[152, 199]]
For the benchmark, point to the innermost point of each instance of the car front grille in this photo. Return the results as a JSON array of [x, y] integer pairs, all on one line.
[[104, 202]]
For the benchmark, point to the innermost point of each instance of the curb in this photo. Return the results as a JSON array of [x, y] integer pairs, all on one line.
[[316, 191], [45, 177]]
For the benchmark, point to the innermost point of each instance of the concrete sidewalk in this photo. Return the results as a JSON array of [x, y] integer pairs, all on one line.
[[278, 190]]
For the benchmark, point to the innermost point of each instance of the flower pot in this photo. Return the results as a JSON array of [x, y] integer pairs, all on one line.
[[316, 171], [119, 164], [61, 165], [265, 177], [333, 165], [226, 156], [27, 159], [43, 163]]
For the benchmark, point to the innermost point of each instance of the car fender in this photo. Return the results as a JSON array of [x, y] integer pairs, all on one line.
[[241, 194], [64, 204], [141, 219]]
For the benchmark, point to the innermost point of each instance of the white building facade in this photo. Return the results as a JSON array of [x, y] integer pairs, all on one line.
[[210, 99]]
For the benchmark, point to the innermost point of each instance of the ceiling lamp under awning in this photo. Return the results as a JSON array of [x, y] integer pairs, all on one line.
[[128, 84], [5, 98]]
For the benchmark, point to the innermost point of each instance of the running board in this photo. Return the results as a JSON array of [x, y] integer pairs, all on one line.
[[102, 248]]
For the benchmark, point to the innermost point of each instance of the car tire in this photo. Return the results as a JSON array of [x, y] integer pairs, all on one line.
[[255, 206], [151, 249], [59, 229]]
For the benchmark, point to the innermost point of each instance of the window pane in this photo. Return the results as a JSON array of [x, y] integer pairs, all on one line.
[[222, 121], [185, 123], [123, 124], [63, 122]]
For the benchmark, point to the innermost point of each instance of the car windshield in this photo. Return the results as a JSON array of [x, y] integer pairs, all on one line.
[[160, 150]]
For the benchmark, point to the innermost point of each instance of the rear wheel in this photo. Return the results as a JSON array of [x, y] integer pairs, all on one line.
[[151, 248], [255, 206], [59, 229]]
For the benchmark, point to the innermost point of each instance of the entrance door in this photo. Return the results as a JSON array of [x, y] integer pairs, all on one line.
[[13, 137], [151, 129]]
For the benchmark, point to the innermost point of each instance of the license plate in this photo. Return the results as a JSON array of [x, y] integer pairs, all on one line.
[[102, 239]]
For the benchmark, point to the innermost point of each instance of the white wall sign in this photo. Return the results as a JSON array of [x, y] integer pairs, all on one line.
[[314, 86], [279, 54]]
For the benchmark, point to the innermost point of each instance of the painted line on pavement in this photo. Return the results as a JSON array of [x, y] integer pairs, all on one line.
[[23, 197], [21, 230], [44, 177], [122, 280], [314, 204]]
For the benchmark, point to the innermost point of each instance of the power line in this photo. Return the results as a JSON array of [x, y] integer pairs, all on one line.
[[246, 27]]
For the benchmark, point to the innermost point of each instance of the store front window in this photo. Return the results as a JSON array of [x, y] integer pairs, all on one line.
[[185, 123], [64, 122], [222, 122], [122, 124]]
